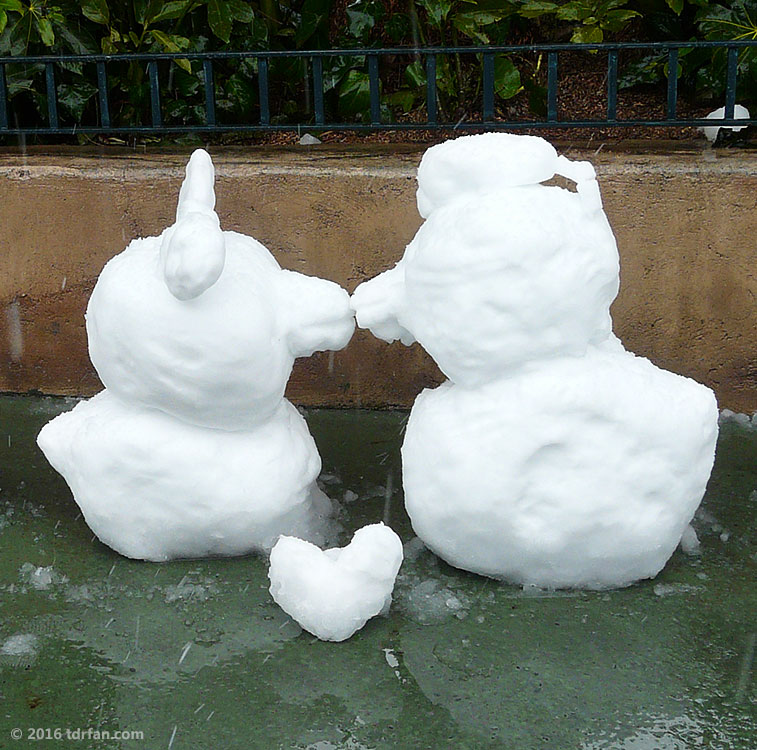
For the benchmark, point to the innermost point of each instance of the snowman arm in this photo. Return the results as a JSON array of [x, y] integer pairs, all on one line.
[[317, 314], [378, 303]]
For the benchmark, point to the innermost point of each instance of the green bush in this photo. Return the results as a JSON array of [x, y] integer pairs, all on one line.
[[61, 27]]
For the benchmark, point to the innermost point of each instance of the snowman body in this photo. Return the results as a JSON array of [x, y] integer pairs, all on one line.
[[551, 457], [192, 450]]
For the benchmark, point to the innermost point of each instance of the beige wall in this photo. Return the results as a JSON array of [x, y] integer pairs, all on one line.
[[685, 220]]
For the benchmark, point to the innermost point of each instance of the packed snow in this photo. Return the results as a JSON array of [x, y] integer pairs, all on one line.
[[739, 113], [22, 644], [742, 420], [191, 449], [332, 593], [551, 457]]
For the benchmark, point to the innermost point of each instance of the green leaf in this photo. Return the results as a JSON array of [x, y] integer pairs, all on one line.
[[437, 10], [537, 8], [537, 96], [220, 19], [482, 17], [587, 35], [74, 97], [107, 46], [140, 9], [675, 5], [404, 99], [151, 10], [616, 20], [647, 70], [354, 93], [507, 81], [170, 42], [240, 94], [415, 74], [96, 10], [313, 22], [466, 23], [359, 23], [335, 70], [240, 11], [398, 27], [76, 38], [574, 11], [184, 64], [3, 21], [46, 33], [173, 43], [172, 10], [12, 5]]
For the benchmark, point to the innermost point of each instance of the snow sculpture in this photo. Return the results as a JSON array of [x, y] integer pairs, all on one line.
[[332, 593], [192, 449], [552, 456]]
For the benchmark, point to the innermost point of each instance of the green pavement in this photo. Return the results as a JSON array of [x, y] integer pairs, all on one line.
[[195, 654]]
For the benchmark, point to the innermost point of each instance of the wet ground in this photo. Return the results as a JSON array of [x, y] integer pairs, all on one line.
[[195, 654]]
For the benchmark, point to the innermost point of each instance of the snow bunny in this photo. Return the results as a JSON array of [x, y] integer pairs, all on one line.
[[551, 457], [192, 449]]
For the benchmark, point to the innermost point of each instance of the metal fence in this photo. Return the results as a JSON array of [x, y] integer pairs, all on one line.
[[261, 119]]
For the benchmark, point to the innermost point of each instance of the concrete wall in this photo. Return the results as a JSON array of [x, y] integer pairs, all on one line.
[[685, 220]]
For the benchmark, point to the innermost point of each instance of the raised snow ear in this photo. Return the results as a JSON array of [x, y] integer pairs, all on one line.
[[193, 250], [583, 174], [197, 194]]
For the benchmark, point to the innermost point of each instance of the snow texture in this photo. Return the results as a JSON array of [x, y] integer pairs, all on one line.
[[332, 593], [552, 457], [191, 449], [739, 113], [22, 644]]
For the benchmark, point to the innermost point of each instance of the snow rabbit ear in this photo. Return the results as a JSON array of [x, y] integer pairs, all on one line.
[[197, 194], [193, 250]]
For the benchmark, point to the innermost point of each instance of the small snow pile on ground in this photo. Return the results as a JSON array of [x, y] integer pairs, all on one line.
[[332, 593], [22, 644], [690, 542], [429, 602], [667, 589], [38, 577], [743, 420], [739, 113]]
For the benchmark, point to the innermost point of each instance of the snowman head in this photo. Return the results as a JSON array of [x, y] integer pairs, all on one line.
[[481, 163]]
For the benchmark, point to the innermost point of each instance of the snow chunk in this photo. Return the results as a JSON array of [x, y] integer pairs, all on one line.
[[23, 644], [429, 602], [742, 420], [690, 541], [668, 589], [39, 578], [739, 113], [334, 592]]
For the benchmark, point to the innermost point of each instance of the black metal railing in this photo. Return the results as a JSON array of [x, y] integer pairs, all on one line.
[[261, 118]]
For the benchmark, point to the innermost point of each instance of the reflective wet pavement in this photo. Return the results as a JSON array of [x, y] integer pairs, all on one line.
[[195, 654]]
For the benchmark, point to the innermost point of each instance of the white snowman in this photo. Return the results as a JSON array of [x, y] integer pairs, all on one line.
[[191, 449], [551, 457]]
